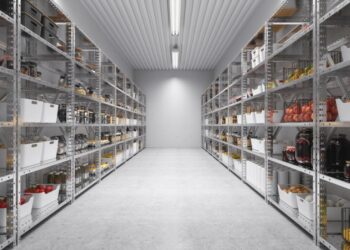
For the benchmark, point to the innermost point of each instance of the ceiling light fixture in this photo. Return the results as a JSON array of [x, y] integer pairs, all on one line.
[[175, 58], [175, 14]]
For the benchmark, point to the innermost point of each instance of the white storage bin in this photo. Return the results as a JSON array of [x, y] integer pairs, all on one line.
[[343, 110], [276, 116], [250, 118], [345, 52], [30, 154], [3, 217], [135, 147], [42, 199], [224, 159], [289, 198], [277, 148], [259, 89], [119, 158], [239, 119], [31, 110], [258, 145], [255, 62], [305, 207], [237, 164], [255, 52], [26, 209], [334, 213], [262, 53], [260, 117], [49, 114], [49, 150]]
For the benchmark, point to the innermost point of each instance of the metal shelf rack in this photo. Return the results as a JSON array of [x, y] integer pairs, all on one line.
[[313, 33], [114, 93]]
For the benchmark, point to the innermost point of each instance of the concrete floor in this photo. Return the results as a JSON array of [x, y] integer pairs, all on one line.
[[169, 199]]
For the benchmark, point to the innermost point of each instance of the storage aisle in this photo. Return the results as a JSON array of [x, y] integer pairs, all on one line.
[[169, 199]]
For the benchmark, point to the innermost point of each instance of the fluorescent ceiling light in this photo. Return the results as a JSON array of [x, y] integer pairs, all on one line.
[[175, 14], [175, 58]]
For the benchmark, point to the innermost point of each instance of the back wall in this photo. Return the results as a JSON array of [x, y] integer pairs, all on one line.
[[173, 106]]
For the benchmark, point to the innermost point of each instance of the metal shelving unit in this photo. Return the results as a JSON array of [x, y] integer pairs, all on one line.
[[311, 38], [119, 106]]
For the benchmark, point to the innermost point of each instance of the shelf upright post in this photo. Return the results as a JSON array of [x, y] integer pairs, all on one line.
[[70, 131], [320, 49], [14, 44], [268, 106], [98, 60], [244, 129]]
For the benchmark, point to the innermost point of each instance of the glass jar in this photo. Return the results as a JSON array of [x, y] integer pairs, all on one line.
[[290, 154], [76, 115], [91, 116], [62, 113], [336, 155], [81, 114], [303, 147], [347, 171]]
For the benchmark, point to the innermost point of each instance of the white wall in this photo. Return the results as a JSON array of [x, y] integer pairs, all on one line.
[[173, 106]]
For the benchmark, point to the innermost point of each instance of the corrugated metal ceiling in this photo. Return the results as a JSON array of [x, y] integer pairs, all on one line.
[[141, 29]]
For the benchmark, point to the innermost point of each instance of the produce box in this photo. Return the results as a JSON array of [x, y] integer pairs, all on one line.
[[49, 150], [26, 209], [306, 205], [42, 199], [343, 110], [31, 154], [288, 194]]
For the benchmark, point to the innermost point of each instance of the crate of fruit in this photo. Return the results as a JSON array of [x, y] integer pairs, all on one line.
[[43, 194], [288, 194], [305, 205], [25, 206]]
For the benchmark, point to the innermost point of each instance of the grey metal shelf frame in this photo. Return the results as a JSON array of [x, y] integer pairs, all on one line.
[[128, 104], [321, 27]]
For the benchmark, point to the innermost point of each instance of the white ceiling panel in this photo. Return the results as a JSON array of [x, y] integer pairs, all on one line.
[[140, 28]]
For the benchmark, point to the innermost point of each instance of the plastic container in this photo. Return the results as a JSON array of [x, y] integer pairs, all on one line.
[[119, 158], [258, 145], [31, 110], [239, 119], [49, 25], [260, 117], [305, 207], [31, 23], [255, 53], [276, 116], [262, 53], [3, 217], [259, 89], [29, 9], [250, 118], [237, 164], [49, 150], [255, 62], [289, 198], [334, 213], [343, 110], [26, 209], [345, 52], [42, 199], [30, 154], [49, 113], [50, 37]]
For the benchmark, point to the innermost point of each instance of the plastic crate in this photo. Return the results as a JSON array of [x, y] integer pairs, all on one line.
[[49, 114], [334, 213], [42, 199], [26, 209], [288, 198], [258, 145], [343, 110], [345, 52], [49, 25], [29, 9], [260, 117], [262, 53], [31, 23], [49, 150], [49, 36], [3, 217], [31, 110], [30, 154], [305, 207], [250, 118]]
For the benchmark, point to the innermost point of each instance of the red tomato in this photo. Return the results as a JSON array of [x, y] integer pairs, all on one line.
[[22, 201], [48, 189]]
